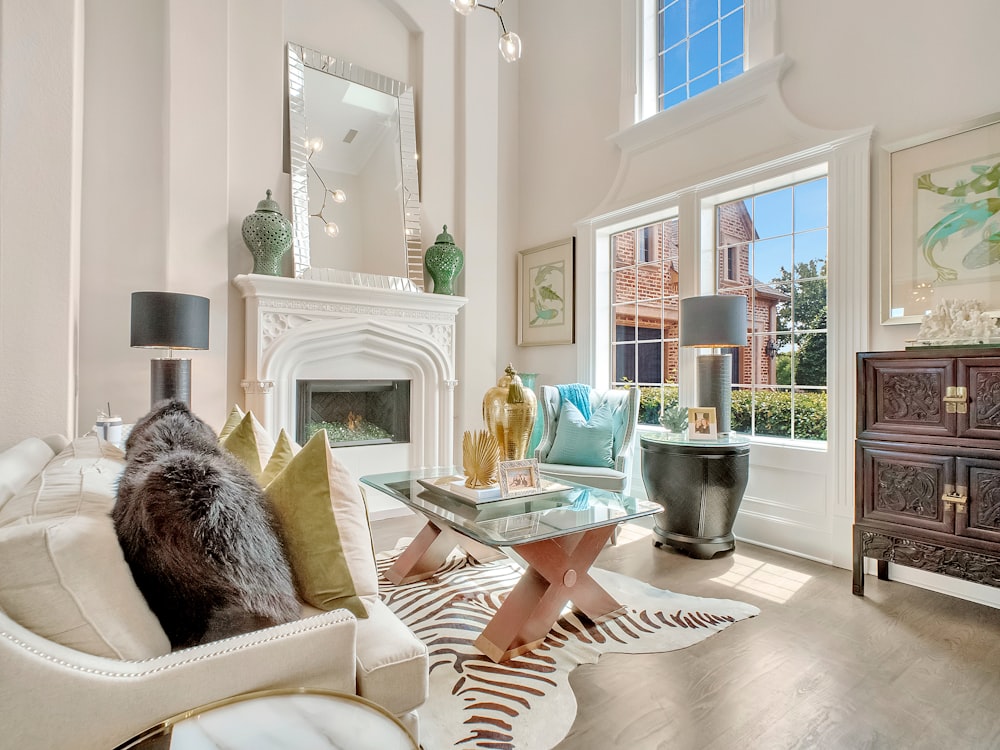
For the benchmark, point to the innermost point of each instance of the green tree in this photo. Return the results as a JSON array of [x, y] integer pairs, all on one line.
[[810, 314]]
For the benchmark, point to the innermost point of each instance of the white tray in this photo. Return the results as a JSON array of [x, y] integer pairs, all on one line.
[[454, 487]]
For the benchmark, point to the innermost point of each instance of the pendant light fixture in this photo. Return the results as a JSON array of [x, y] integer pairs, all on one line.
[[510, 43]]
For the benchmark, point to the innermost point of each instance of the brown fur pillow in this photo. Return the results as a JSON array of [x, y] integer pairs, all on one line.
[[197, 532]]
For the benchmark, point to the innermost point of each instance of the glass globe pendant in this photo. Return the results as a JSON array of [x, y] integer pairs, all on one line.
[[465, 7], [510, 47]]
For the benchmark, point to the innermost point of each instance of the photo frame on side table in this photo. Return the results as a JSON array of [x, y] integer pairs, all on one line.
[[702, 424], [940, 220], [546, 278], [519, 477]]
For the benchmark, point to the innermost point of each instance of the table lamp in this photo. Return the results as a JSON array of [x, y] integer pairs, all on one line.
[[165, 320], [715, 321]]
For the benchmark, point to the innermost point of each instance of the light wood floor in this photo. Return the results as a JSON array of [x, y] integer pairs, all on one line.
[[819, 667]]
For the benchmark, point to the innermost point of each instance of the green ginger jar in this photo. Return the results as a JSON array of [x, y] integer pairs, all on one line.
[[268, 235], [444, 262]]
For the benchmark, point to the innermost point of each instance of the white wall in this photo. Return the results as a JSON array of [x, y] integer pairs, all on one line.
[[165, 119]]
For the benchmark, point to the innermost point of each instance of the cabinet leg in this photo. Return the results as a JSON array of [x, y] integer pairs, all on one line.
[[858, 583], [883, 570]]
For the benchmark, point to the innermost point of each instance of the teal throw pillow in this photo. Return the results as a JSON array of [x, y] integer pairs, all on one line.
[[582, 443]]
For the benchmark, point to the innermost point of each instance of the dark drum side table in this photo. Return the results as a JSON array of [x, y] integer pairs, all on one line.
[[700, 485]]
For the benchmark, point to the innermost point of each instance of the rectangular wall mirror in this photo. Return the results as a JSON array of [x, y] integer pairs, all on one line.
[[355, 186]]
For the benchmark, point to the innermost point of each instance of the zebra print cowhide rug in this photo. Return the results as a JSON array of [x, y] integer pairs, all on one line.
[[527, 703]]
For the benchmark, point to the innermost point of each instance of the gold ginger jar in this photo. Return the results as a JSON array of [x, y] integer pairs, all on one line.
[[509, 410]]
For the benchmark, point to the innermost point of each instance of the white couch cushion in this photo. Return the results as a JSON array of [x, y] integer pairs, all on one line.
[[66, 580], [64, 574], [392, 662], [19, 465]]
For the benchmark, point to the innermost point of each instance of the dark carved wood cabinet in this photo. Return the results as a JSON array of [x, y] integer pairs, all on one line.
[[927, 491]]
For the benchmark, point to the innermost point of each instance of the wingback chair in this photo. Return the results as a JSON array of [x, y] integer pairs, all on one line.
[[582, 451]]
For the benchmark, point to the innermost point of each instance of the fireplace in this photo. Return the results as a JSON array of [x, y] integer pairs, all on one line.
[[304, 330], [354, 412]]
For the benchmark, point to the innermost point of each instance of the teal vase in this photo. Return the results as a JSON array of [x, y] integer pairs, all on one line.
[[444, 262], [268, 236], [528, 381]]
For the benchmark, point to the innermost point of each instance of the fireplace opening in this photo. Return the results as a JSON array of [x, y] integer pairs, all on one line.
[[354, 412]]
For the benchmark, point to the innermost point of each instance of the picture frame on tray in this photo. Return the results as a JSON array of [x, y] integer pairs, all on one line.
[[519, 477]]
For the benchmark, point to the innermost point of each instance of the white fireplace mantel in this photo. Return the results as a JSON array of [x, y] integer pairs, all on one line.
[[307, 329]]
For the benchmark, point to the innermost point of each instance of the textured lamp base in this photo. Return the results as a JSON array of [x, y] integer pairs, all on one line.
[[169, 379], [715, 384]]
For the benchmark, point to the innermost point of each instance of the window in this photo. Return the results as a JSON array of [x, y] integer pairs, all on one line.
[[644, 297], [779, 239], [700, 44]]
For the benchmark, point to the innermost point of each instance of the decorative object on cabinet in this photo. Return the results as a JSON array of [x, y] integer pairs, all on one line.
[[958, 322], [509, 410], [715, 320], [268, 235], [444, 262], [941, 218], [545, 308], [480, 459], [165, 320], [510, 43], [927, 473], [321, 90], [700, 484]]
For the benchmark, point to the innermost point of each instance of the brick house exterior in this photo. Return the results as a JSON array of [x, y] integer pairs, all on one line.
[[645, 287]]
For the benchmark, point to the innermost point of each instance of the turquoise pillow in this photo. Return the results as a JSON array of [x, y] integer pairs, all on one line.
[[582, 443]]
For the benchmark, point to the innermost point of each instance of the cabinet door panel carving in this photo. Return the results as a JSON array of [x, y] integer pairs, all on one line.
[[907, 397], [982, 379], [982, 517], [901, 487]]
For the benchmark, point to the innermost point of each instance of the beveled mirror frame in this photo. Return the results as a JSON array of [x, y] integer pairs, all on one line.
[[300, 58]]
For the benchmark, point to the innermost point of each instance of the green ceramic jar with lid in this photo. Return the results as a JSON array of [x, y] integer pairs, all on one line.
[[444, 262]]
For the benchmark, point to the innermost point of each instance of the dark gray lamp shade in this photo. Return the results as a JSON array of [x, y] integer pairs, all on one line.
[[714, 320], [164, 320]]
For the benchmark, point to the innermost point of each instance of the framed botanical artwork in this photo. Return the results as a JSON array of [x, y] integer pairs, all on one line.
[[519, 477], [940, 220], [702, 424], [545, 305]]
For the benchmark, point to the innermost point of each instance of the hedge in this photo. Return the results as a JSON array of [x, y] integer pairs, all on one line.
[[774, 411]]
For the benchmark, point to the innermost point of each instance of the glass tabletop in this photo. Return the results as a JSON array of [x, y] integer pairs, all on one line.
[[516, 520]]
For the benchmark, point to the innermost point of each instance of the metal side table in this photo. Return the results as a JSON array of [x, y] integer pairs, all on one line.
[[700, 485]]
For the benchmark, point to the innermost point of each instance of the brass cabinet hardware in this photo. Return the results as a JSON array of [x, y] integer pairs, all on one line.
[[956, 399], [957, 496]]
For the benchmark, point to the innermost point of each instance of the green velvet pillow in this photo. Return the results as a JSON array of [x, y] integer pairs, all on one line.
[[284, 450], [251, 444], [234, 418], [323, 523], [582, 443]]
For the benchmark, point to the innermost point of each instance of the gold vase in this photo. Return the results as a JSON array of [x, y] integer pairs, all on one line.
[[509, 410]]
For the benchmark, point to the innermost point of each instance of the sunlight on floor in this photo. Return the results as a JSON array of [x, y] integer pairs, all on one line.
[[766, 580], [632, 532]]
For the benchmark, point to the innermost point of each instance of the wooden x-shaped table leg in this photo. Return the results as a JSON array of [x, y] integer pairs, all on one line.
[[428, 551], [557, 572]]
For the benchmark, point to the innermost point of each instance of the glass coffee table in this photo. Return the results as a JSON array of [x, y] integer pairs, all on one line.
[[558, 533]]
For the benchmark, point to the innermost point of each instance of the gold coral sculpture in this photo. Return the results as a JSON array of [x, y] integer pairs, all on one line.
[[480, 459], [509, 410]]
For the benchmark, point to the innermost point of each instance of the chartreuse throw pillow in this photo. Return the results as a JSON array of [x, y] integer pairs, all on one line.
[[234, 418], [579, 442], [251, 444], [284, 450], [323, 523]]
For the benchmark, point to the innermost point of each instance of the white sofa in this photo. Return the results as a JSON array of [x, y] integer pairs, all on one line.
[[84, 662]]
